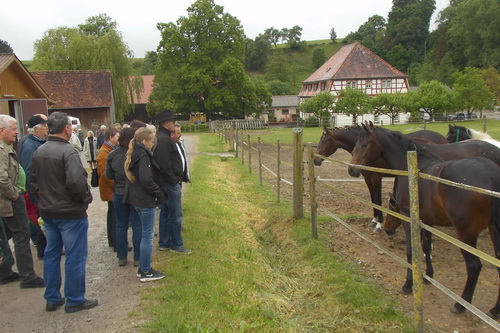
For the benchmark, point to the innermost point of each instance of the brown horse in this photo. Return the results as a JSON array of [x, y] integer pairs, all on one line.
[[468, 212], [345, 138]]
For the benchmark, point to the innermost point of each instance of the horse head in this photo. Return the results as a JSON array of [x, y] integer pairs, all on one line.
[[457, 133], [327, 145], [367, 150], [392, 222]]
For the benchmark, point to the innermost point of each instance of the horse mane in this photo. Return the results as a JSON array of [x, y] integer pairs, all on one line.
[[346, 128], [476, 135]]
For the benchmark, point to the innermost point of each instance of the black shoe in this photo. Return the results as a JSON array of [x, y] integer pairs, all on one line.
[[151, 275], [12, 278], [54, 307], [35, 283], [88, 304]]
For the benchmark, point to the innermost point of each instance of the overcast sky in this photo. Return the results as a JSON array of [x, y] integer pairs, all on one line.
[[23, 22]]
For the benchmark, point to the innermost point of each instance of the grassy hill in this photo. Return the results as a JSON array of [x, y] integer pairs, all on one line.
[[300, 61]]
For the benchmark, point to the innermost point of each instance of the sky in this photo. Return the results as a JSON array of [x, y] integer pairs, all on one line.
[[24, 22]]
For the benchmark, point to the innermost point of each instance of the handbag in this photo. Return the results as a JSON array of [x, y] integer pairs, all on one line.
[[94, 179]]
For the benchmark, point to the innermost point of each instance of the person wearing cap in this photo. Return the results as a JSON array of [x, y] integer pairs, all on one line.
[[38, 131], [168, 159], [13, 209]]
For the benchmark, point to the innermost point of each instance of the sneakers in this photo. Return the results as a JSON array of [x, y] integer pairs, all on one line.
[[53, 307], [164, 248], [151, 275], [11, 278], [88, 304], [35, 283], [122, 261], [180, 249]]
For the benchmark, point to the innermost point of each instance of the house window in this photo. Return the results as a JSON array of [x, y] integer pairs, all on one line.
[[323, 85], [396, 119], [368, 83], [386, 84], [376, 119], [351, 84]]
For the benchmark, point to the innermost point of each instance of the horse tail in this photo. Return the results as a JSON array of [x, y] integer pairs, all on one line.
[[496, 226]]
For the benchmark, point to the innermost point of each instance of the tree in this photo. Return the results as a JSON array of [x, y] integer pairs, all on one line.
[[201, 66], [333, 35], [320, 105], [279, 88], [492, 79], [278, 68], [319, 57], [432, 98], [273, 36], [471, 91], [149, 63], [292, 36], [389, 104], [369, 34], [257, 52], [5, 47], [353, 102], [99, 47]]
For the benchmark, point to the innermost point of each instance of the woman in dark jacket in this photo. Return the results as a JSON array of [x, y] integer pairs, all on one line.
[[124, 212], [145, 193]]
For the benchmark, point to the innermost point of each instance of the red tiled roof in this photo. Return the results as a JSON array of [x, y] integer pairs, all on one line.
[[354, 61], [77, 89], [148, 88]]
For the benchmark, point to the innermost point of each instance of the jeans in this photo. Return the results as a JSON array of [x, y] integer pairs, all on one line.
[[147, 216], [72, 234], [125, 215], [17, 228], [171, 217]]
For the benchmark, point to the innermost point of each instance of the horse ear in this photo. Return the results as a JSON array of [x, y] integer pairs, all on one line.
[[364, 127], [371, 124], [325, 129]]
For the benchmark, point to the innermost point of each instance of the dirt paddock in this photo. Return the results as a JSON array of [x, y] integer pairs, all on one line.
[[449, 265]]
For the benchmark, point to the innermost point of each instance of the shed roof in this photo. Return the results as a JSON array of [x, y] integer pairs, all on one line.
[[354, 61], [10, 60], [77, 89], [285, 101]]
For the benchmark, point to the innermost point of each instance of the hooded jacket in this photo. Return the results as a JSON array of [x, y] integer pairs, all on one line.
[[146, 191]]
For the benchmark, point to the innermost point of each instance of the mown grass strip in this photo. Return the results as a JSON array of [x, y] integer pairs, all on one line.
[[255, 269]]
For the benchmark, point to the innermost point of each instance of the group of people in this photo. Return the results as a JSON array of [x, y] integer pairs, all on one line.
[[140, 169]]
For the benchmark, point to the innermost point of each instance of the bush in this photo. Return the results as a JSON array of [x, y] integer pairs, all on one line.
[[195, 128], [311, 122]]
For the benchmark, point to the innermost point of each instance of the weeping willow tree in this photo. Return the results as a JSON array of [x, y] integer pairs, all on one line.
[[94, 45]]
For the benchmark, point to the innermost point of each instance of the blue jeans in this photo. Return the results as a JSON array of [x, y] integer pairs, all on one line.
[[125, 215], [171, 217], [73, 235], [147, 216]]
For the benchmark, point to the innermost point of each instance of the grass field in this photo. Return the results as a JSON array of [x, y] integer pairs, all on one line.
[[254, 268]]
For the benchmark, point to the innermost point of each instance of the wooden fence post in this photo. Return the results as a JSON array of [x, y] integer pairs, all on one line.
[[416, 244], [298, 174], [260, 160], [278, 171], [249, 155], [242, 150], [236, 141], [312, 192]]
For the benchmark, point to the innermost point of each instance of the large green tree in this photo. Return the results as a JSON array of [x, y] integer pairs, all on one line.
[[369, 34], [256, 53], [432, 98], [389, 104], [201, 68], [471, 91], [94, 45], [354, 102], [319, 105]]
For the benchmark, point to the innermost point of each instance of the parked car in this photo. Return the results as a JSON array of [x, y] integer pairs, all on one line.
[[450, 117], [461, 116]]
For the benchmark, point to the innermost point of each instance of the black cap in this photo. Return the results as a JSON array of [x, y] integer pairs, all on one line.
[[166, 115], [35, 120]]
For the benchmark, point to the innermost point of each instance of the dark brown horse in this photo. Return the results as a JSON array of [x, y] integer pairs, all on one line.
[[460, 133], [468, 212], [346, 138]]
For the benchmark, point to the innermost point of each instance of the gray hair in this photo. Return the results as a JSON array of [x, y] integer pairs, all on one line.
[[32, 129], [6, 120], [57, 122]]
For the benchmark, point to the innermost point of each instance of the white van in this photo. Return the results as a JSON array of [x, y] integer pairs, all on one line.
[[75, 121]]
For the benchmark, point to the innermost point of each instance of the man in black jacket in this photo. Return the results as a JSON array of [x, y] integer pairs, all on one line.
[[168, 159], [59, 182]]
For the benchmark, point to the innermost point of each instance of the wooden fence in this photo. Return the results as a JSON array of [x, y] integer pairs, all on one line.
[[413, 173]]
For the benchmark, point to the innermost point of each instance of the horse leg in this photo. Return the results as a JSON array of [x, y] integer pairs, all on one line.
[[495, 238], [427, 248], [374, 183], [473, 265]]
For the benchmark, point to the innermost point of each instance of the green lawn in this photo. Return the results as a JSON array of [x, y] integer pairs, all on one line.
[[254, 268]]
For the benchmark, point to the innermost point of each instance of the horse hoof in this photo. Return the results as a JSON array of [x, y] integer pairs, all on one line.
[[405, 291], [457, 309], [379, 230], [493, 315]]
